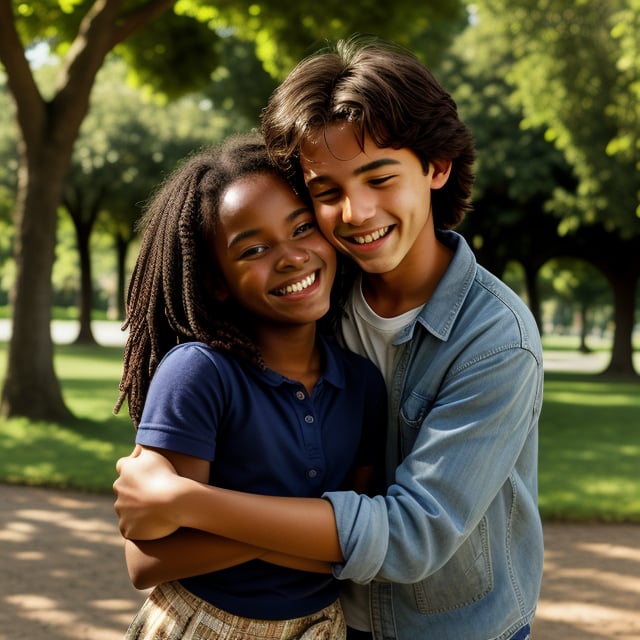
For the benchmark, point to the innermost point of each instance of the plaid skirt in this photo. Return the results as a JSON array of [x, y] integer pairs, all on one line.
[[171, 612]]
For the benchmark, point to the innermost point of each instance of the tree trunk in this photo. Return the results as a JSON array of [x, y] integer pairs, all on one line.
[[533, 293], [83, 233], [624, 287], [121, 250], [584, 327], [31, 388]]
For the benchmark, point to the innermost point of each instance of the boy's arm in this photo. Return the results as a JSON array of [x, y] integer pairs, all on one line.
[[153, 501]]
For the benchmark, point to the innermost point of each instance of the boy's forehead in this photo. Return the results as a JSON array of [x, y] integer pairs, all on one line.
[[337, 141]]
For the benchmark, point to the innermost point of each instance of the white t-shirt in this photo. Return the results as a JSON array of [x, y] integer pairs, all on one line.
[[370, 335]]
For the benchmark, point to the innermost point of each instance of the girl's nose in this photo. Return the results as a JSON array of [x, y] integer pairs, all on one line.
[[292, 258]]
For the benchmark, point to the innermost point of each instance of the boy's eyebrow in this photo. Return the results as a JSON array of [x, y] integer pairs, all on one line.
[[247, 233], [370, 166], [376, 164]]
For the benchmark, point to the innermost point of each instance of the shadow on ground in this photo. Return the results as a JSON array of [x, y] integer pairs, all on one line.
[[63, 571], [63, 575], [591, 585]]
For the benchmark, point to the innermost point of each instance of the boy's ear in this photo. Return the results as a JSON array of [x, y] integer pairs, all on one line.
[[441, 173]]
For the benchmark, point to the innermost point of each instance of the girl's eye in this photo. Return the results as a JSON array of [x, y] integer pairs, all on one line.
[[304, 227], [252, 251]]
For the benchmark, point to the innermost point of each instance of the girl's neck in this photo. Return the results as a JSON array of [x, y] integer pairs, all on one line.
[[292, 351]]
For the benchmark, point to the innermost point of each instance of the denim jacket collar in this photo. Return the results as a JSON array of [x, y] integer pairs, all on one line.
[[438, 315]]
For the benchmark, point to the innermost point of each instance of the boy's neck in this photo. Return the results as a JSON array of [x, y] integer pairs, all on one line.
[[292, 351], [408, 286]]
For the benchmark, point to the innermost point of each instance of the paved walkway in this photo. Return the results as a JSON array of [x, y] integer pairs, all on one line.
[[108, 333], [62, 573]]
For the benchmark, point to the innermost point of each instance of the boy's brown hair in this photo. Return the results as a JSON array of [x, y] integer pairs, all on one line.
[[385, 92]]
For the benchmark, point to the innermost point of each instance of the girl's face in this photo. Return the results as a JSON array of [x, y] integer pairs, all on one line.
[[274, 260]]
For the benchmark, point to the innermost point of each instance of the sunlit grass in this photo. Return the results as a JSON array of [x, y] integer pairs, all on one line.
[[589, 438], [82, 454], [590, 449]]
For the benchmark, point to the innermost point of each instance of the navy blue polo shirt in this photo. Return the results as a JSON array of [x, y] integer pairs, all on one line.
[[264, 434]]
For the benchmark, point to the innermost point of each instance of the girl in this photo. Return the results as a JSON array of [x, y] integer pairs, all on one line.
[[227, 375]]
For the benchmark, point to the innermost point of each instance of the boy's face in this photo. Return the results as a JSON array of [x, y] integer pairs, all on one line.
[[372, 204]]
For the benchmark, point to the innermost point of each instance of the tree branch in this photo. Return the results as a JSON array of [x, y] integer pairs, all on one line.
[[100, 30], [139, 18], [29, 103]]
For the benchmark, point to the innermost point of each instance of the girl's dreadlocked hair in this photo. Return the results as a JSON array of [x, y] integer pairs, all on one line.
[[171, 293]]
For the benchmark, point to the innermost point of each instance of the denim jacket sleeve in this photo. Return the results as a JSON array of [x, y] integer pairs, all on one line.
[[462, 444], [462, 438]]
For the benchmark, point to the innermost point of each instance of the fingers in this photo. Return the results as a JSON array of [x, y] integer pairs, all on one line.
[[137, 450]]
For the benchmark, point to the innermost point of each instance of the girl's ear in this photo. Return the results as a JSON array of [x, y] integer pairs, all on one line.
[[219, 289], [441, 173]]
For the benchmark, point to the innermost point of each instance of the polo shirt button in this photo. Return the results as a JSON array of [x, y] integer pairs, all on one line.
[[300, 395], [312, 473], [308, 419]]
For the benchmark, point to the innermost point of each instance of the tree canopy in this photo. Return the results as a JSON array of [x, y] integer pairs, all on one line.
[[154, 36]]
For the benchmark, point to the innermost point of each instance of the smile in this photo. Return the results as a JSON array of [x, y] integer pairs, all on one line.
[[296, 287], [370, 237]]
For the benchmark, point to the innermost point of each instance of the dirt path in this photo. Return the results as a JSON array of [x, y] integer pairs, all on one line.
[[62, 574]]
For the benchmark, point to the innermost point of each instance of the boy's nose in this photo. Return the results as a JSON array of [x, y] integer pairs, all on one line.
[[356, 212]]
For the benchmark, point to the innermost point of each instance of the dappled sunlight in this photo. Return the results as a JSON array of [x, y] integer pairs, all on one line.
[[591, 584], [64, 575], [590, 397], [46, 612], [607, 550]]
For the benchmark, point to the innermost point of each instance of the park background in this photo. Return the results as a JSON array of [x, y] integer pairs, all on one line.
[[99, 100]]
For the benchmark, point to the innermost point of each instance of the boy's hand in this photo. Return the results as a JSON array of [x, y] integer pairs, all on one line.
[[144, 491]]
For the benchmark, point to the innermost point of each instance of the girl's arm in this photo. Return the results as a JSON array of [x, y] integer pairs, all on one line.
[[153, 502], [188, 552], [183, 554]]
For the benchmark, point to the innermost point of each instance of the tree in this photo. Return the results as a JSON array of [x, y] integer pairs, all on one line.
[[126, 144], [47, 132], [517, 169], [576, 74], [83, 33], [581, 287]]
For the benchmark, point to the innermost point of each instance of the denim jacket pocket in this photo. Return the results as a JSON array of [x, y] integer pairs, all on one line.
[[411, 416], [466, 578]]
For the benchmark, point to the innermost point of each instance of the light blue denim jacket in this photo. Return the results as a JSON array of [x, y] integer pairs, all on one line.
[[455, 548]]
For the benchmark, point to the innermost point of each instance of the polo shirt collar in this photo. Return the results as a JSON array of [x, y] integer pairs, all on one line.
[[333, 372]]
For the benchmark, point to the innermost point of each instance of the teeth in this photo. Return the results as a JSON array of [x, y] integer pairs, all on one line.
[[298, 286], [370, 237]]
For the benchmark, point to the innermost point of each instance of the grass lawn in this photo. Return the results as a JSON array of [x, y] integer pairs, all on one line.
[[589, 449], [589, 438], [81, 455]]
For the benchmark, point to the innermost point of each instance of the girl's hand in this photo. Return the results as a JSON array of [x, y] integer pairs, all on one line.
[[144, 492]]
